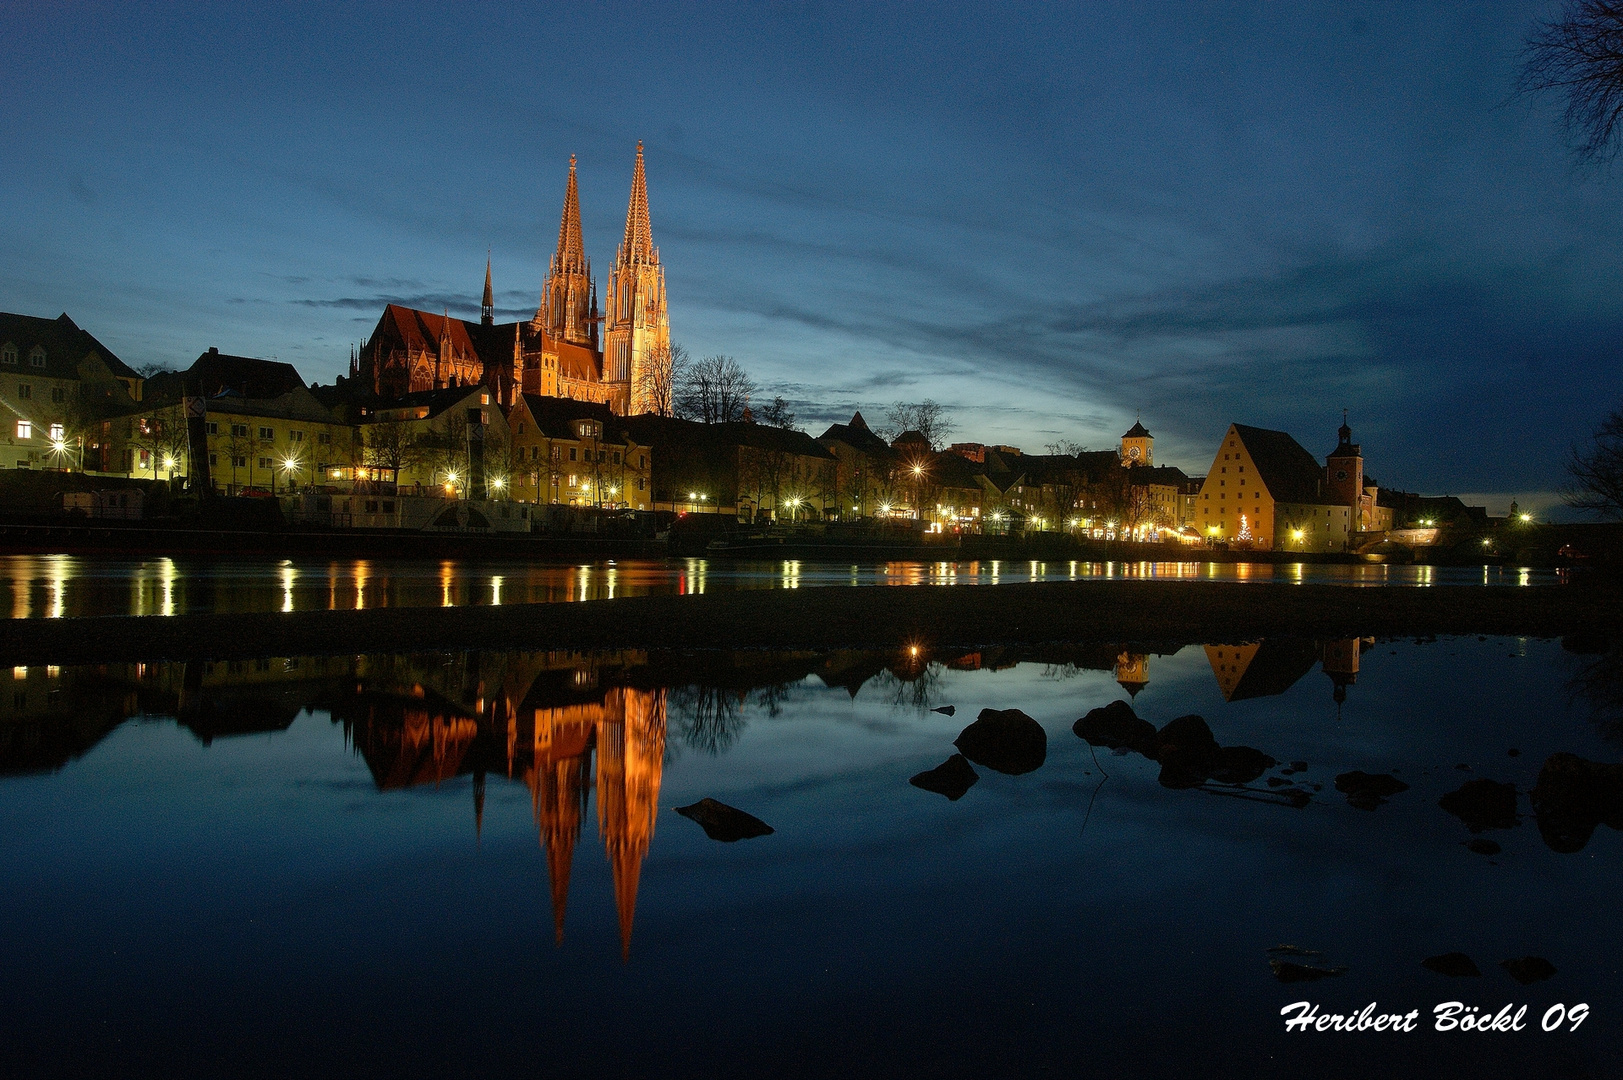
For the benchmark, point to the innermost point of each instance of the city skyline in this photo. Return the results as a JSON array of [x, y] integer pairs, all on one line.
[[1050, 224]]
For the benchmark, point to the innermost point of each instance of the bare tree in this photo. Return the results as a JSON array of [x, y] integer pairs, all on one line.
[[715, 390], [1065, 448], [1597, 474], [663, 372], [1580, 55], [777, 415], [391, 445], [926, 417]]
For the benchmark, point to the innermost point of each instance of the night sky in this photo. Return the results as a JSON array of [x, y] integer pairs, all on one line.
[[1051, 219]]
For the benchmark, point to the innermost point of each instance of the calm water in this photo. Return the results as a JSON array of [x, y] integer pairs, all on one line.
[[55, 586], [471, 865]]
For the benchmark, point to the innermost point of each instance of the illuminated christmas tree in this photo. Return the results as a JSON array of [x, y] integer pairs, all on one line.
[[1245, 529]]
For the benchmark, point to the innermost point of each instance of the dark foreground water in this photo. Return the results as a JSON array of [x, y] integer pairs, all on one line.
[[471, 865], [68, 586]]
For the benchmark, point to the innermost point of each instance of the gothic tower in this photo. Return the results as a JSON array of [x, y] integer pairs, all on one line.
[[638, 328], [567, 308]]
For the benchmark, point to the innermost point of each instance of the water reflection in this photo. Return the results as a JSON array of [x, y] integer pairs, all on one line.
[[1196, 804], [54, 586]]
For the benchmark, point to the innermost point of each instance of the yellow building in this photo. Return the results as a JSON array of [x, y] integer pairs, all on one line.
[[58, 386], [1265, 491], [453, 441], [576, 453]]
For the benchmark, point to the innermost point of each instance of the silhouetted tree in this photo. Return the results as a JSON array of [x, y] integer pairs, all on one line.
[[926, 417], [777, 415], [1579, 53], [1597, 473], [662, 373], [715, 390]]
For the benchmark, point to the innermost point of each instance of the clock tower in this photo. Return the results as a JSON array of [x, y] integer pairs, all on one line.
[[1344, 468], [1138, 446]]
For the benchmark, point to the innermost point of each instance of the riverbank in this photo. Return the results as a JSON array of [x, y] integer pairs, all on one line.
[[864, 617]]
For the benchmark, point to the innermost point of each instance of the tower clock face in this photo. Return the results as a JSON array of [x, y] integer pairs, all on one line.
[[1341, 474], [1132, 451]]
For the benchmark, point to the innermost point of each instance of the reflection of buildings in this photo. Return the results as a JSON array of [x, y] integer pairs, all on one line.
[[1132, 672], [1273, 665], [625, 731]]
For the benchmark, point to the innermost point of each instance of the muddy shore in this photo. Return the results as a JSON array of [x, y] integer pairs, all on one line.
[[872, 617]]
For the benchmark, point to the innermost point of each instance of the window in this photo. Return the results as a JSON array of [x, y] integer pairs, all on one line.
[[214, 461], [25, 391], [239, 431], [267, 433], [8, 353], [239, 462], [642, 461], [295, 436], [25, 429], [58, 433], [36, 356], [617, 457], [572, 480], [572, 457], [324, 438], [555, 451], [602, 456], [371, 506], [264, 463], [58, 395]]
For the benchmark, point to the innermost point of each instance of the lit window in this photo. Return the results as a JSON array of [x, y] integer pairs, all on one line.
[[25, 429], [58, 433]]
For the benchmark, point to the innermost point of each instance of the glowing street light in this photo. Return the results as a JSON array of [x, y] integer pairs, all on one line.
[[1527, 517], [498, 482]]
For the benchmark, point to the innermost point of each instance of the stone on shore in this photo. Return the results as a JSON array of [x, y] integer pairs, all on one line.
[[1483, 805], [1528, 969], [1366, 791], [1455, 965]]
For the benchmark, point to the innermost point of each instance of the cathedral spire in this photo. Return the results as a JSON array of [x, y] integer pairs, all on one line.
[[487, 307], [571, 250], [639, 242]]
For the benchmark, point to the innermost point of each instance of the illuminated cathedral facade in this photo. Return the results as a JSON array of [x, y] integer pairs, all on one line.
[[569, 349]]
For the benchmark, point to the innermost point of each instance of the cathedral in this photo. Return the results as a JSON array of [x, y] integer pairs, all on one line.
[[560, 352]]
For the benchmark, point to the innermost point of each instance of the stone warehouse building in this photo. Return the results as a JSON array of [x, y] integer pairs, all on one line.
[[57, 386]]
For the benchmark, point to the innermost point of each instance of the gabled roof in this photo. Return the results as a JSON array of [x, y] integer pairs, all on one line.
[[663, 431], [1287, 470], [64, 344], [911, 438], [1161, 475], [858, 436], [1138, 431], [554, 417], [420, 331], [215, 371], [435, 401]]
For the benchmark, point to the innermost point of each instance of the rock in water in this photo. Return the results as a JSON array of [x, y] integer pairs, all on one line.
[[1187, 752], [945, 710], [1572, 796], [1529, 969], [951, 778], [1004, 740], [1454, 964], [1484, 847], [1117, 726], [1287, 972], [1366, 791], [1240, 765], [723, 822], [1483, 804]]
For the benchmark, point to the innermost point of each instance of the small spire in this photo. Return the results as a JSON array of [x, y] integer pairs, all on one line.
[[487, 308]]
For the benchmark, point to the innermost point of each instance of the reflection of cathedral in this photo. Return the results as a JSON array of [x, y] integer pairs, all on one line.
[[626, 734], [1273, 665], [555, 354]]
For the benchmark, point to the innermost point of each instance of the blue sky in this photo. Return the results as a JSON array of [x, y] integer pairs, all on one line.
[[1050, 218]]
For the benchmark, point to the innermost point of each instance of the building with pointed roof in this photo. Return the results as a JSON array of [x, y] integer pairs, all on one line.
[[1265, 491], [557, 353], [637, 328], [58, 386]]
